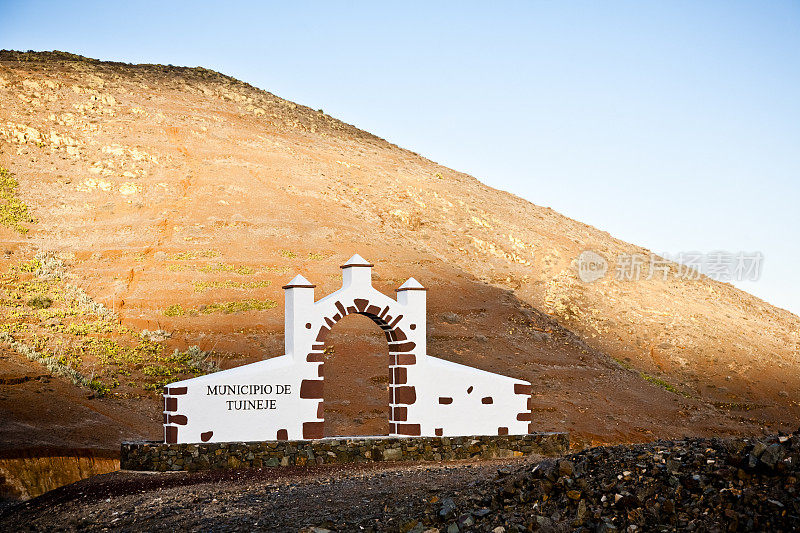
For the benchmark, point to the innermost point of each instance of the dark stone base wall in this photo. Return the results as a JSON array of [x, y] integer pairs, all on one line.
[[159, 457]]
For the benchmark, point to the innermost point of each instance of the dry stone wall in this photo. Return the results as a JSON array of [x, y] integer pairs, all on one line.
[[159, 457]]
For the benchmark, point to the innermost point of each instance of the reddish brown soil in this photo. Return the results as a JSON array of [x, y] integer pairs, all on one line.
[[167, 173], [51, 412]]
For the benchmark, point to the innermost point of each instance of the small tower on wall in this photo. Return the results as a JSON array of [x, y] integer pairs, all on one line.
[[299, 294], [357, 272], [413, 296]]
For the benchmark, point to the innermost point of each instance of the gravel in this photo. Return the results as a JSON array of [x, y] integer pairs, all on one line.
[[693, 484]]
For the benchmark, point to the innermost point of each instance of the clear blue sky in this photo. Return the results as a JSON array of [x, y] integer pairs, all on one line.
[[673, 125]]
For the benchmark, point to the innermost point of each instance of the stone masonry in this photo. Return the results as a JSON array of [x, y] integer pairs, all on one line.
[[159, 457]]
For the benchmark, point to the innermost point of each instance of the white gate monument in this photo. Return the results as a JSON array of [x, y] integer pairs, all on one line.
[[281, 398]]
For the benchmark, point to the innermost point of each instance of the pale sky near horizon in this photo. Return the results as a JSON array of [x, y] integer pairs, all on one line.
[[671, 125]]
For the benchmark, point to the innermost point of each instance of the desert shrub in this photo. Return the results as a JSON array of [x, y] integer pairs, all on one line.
[[100, 388], [156, 335], [52, 364], [165, 369], [76, 296], [451, 317], [29, 266], [195, 360], [81, 329], [196, 254], [40, 301], [50, 268], [46, 265]]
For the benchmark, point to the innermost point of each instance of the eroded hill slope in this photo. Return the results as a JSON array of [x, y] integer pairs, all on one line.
[[180, 200]]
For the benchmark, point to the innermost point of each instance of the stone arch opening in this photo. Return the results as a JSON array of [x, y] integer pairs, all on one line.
[[356, 373], [398, 345]]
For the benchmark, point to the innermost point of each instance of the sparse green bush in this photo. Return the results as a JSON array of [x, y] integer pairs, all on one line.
[[29, 266], [99, 387], [663, 384], [195, 254], [202, 286], [81, 329], [178, 310], [250, 304], [240, 306], [287, 253], [242, 270], [225, 267], [13, 211], [624, 364], [652, 379]]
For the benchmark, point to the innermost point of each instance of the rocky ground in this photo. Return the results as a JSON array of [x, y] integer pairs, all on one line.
[[686, 485], [732, 484], [375, 496]]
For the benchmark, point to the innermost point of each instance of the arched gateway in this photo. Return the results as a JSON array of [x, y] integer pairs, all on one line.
[[281, 398]]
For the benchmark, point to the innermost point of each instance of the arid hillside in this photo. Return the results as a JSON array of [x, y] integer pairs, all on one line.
[[150, 209]]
